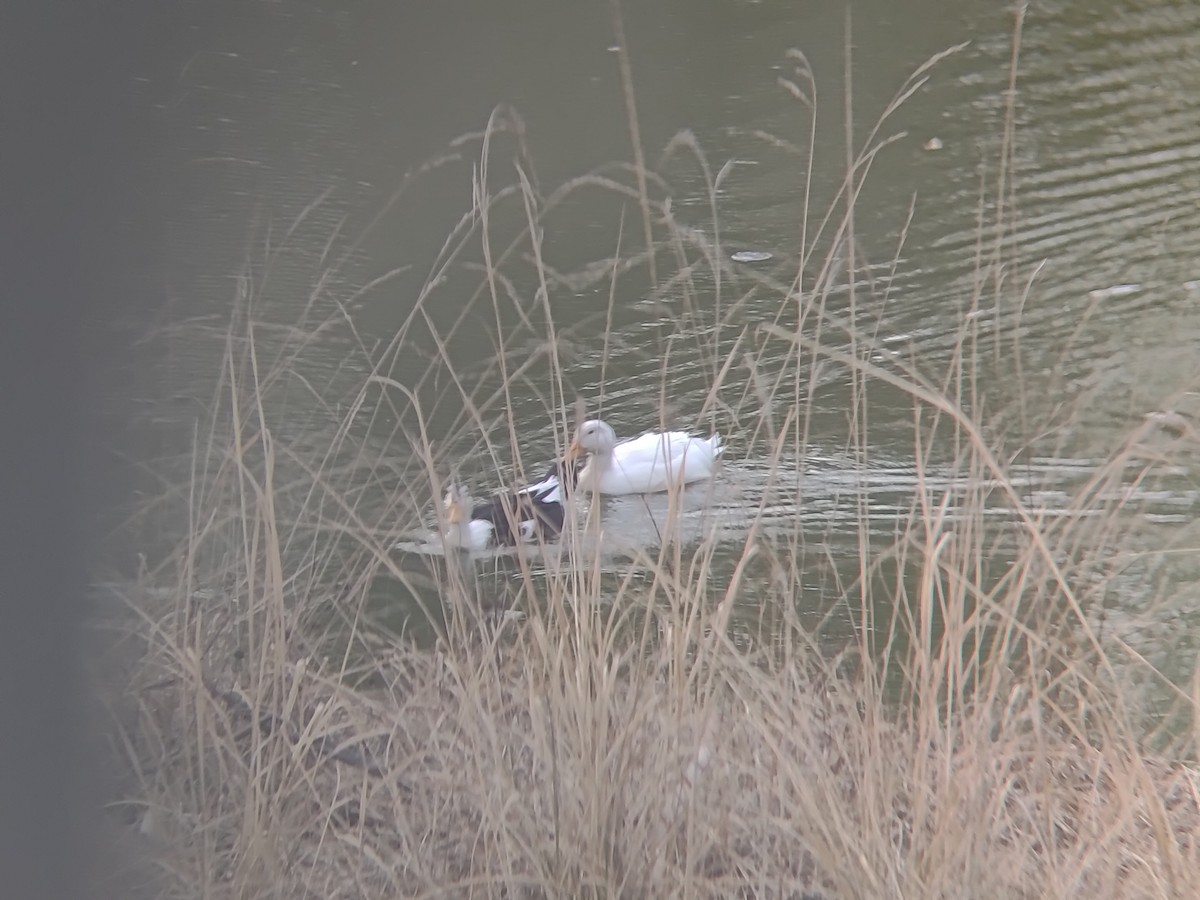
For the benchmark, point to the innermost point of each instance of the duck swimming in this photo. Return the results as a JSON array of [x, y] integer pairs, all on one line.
[[642, 465], [528, 515]]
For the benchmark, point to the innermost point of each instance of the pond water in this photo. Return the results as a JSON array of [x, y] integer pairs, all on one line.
[[312, 157]]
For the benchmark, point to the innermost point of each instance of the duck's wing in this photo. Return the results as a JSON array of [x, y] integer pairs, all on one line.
[[540, 517], [697, 450], [515, 516], [550, 489], [488, 510], [541, 521], [496, 507], [650, 450], [540, 506]]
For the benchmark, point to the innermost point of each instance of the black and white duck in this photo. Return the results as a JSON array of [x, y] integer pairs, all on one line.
[[531, 514]]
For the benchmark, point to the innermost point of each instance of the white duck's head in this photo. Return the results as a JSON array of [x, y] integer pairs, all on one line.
[[458, 505], [595, 437]]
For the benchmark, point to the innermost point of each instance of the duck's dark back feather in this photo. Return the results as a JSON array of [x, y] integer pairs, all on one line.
[[539, 503], [507, 511]]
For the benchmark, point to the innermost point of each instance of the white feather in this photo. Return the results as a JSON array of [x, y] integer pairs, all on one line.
[[643, 465]]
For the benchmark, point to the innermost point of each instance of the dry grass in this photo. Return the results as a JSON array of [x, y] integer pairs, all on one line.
[[628, 731]]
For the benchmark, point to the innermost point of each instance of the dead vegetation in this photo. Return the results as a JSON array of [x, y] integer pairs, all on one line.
[[609, 733]]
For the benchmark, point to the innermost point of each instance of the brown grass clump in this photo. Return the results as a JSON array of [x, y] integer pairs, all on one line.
[[534, 758], [962, 718]]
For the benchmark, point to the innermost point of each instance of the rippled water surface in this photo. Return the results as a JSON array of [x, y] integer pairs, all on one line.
[[291, 172]]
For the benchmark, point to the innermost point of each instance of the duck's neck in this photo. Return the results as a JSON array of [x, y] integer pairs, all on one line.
[[459, 534], [597, 463]]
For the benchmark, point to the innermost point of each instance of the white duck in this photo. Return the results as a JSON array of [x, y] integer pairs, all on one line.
[[642, 465], [530, 514]]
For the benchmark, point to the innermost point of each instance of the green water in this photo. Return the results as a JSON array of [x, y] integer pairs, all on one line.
[[295, 145]]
